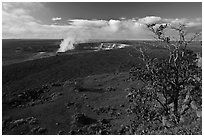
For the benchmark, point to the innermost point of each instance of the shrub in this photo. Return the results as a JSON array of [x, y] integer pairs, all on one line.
[[172, 85]]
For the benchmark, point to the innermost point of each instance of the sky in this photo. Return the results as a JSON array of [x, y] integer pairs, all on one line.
[[100, 20]]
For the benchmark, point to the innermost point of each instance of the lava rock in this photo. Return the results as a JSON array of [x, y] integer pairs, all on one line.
[[82, 119], [19, 122], [122, 105], [60, 132], [69, 104], [57, 84], [31, 120], [109, 89], [35, 129], [104, 121], [88, 106], [42, 130], [72, 132]]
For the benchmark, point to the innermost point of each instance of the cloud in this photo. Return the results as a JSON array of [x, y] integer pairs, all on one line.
[[56, 19], [18, 22], [87, 23], [122, 18], [149, 20]]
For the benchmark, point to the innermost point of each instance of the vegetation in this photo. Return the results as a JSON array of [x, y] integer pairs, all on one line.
[[84, 93], [171, 86]]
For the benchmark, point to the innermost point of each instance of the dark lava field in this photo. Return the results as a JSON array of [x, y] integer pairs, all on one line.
[[81, 93]]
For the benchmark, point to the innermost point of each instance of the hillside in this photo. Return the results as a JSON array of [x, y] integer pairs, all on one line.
[[97, 106], [77, 94]]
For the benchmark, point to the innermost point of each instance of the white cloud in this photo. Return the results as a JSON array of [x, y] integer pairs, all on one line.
[[6, 6], [18, 22], [56, 19], [122, 18], [87, 23], [149, 20]]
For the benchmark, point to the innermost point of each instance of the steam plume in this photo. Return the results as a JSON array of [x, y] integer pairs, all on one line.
[[72, 39], [81, 30], [67, 44]]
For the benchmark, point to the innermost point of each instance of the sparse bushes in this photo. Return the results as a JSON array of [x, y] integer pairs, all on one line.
[[84, 125], [171, 86]]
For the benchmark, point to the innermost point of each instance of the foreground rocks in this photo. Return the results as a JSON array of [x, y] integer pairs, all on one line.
[[32, 97], [83, 125], [27, 125], [96, 109]]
